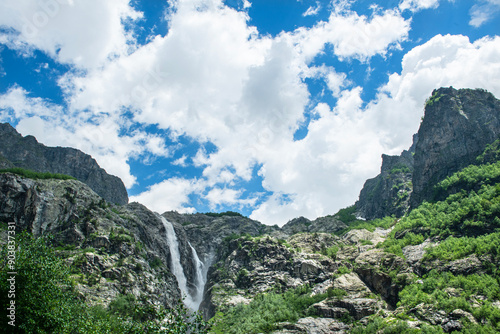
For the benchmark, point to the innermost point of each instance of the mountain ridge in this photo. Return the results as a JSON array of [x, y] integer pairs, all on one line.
[[26, 152]]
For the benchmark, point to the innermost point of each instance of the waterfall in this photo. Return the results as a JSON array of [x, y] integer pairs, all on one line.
[[200, 278], [192, 301], [175, 257]]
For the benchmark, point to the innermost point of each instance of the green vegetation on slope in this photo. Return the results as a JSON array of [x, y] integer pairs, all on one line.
[[265, 311], [36, 175], [465, 223], [46, 300], [222, 214], [472, 213]]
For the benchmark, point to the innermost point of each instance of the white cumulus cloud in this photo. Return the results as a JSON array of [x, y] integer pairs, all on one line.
[[214, 78], [85, 33], [354, 35]]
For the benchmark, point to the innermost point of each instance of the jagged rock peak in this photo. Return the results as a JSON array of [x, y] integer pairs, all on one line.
[[456, 128], [26, 152]]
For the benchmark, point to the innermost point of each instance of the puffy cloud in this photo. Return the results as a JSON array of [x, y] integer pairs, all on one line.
[[85, 33], [210, 78], [215, 79], [325, 171], [99, 136], [353, 35], [225, 196], [170, 194], [14, 105]]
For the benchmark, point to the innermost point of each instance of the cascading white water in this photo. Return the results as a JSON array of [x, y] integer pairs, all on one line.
[[177, 268], [192, 302], [200, 278]]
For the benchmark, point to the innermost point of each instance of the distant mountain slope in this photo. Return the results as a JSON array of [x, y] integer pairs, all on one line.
[[26, 152]]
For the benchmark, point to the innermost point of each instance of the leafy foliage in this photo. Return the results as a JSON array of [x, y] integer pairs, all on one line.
[[378, 325], [346, 215], [433, 99], [46, 301], [470, 178], [447, 292], [491, 153], [399, 168], [462, 214], [265, 311], [457, 248], [36, 175]]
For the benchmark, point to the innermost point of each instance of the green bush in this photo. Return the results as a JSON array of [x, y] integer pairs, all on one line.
[[462, 214], [346, 215], [400, 168], [331, 252], [457, 248]]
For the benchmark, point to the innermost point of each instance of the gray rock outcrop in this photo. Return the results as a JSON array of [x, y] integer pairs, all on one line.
[[457, 126], [389, 192], [116, 249], [26, 152]]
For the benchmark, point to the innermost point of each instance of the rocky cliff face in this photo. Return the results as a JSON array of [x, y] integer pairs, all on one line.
[[457, 126], [113, 250], [26, 152], [248, 266], [388, 193], [206, 235]]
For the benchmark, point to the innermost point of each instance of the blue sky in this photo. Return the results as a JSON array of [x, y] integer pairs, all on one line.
[[272, 108]]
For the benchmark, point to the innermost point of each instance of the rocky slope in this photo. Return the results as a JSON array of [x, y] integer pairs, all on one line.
[[248, 266], [113, 250], [328, 224], [207, 232], [26, 152]]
